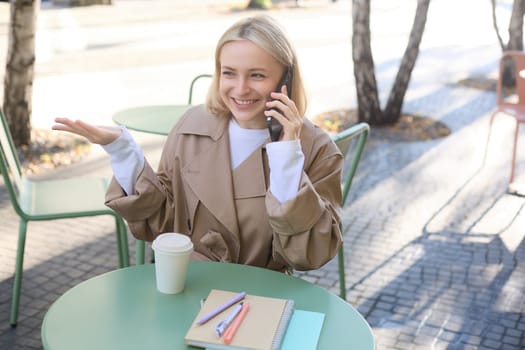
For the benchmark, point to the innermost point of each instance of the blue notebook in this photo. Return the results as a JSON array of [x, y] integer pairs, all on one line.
[[303, 330]]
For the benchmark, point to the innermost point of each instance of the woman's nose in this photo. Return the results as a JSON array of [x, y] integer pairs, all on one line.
[[242, 85]]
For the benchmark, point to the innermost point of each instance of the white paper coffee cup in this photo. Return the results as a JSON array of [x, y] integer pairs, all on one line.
[[172, 255]]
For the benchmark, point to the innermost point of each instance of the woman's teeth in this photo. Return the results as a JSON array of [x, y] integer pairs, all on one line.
[[244, 102]]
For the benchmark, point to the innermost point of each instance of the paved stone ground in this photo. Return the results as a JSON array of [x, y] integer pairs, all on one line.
[[434, 244]]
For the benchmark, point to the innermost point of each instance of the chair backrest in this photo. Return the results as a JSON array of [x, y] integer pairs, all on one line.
[[9, 163], [345, 142], [192, 85], [516, 95]]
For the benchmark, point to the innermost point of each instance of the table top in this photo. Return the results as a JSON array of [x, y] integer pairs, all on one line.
[[122, 309], [155, 119]]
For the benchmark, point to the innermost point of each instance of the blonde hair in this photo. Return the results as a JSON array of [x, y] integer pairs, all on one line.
[[266, 33]]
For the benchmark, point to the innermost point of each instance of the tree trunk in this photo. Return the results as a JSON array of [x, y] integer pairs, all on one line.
[[259, 4], [495, 25], [516, 26], [515, 41], [515, 37], [394, 104], [369, 109], [18, 81]]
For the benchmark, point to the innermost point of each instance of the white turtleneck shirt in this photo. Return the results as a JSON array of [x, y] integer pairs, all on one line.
[[285, 159]]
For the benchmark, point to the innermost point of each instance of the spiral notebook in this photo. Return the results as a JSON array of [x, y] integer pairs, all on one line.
[[263, 328]]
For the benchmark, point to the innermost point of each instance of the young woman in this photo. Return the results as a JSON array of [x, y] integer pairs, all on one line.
[[221, 180]]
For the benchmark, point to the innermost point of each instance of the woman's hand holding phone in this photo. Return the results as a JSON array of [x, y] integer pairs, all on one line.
[[283, 110]]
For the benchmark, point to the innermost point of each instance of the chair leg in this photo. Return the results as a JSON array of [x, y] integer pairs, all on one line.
[[140, 247], [19, 268], [489, 133], [342, 276], [514, 149], [122, 242]]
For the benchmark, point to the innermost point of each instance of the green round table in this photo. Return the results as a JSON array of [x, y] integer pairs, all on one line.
[[157, 119], [122, 309]]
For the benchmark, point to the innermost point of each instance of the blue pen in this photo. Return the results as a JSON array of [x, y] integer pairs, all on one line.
[[221, 327], [221, 308]]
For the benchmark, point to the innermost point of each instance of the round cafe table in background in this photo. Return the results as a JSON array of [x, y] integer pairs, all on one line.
[[156, 119]]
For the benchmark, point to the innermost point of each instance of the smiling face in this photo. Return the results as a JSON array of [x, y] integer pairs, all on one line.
[[247, 77]]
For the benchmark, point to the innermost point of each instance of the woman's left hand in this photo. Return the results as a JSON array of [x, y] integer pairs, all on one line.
[[283, 109]]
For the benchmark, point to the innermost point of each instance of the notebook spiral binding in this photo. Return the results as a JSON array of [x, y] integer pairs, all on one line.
[[283, 325]]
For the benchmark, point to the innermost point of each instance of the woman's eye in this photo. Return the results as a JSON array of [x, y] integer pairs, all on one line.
[[258, 76], [227, 73]]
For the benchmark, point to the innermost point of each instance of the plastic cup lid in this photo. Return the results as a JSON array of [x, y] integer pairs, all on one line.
[[172, 243]]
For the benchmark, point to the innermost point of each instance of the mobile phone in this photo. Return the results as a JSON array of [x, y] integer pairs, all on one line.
[[274, 126]]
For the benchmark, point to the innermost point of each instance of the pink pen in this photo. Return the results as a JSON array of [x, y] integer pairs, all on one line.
[[230, 332]]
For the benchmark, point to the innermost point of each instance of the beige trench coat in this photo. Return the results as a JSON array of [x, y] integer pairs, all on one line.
[[232, 216]]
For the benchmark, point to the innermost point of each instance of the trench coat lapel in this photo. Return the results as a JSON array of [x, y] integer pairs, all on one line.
[[209, 176]]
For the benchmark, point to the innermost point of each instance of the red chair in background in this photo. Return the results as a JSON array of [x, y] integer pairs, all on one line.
[[511, 100]]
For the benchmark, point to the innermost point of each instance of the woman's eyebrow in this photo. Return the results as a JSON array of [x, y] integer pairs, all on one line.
[[259, 70], [256, 69]]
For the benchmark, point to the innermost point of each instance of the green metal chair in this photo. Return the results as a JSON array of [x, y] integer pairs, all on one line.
[[140, 248], [345, 141], [50, 200], [192, 86]]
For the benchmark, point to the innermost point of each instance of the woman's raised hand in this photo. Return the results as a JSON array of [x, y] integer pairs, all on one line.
[[101, 135]]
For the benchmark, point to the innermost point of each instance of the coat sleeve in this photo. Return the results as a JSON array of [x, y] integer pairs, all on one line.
[[150, 211], [306, 232], [157, 205]]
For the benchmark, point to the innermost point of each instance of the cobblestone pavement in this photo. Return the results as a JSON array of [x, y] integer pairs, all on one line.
[[434, 244]]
